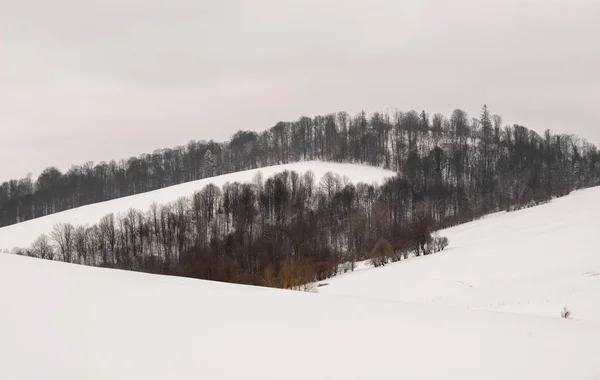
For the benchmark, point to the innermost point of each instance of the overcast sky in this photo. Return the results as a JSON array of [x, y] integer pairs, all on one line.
[[94, 80]]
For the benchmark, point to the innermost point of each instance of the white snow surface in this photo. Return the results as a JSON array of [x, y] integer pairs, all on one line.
[[533, 261], [23, 234], [62, 321], [412, 320]]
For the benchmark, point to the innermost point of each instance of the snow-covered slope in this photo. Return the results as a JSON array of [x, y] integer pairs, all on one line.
[[533, 261], [412, 319], [61, 322], [23, 234]]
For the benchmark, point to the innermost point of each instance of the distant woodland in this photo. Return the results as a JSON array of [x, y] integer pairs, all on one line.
[[290, 229], [285, 231]]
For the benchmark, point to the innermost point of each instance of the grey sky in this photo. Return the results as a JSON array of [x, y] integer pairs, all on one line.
[[85, 80]]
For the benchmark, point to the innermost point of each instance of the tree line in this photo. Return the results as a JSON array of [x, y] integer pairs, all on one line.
[[489, 165], [286, 231]]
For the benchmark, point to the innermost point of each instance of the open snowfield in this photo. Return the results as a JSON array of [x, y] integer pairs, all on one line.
[[61, 321], [415, 319], [533, 261], [23, 234]]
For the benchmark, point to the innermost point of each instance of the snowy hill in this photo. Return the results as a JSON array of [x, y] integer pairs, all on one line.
[[412, 319], [533, 261], [61, 321], [23, 234]]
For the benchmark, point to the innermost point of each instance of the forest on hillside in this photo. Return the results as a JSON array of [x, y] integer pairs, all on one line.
[[286, 231], [290, 230], [486, 165]]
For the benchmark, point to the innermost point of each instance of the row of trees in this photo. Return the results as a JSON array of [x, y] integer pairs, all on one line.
[[488, 165], [287, 231]]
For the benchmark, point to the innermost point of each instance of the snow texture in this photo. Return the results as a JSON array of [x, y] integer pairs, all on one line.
[[410, 320], [61, 321], [23, 234], [532, 261], [407, 320]]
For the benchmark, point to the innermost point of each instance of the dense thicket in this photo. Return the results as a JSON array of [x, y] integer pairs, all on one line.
[[475, 164], [287, 231]]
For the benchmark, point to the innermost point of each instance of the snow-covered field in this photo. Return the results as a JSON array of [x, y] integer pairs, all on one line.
[[61, 321], [23, 234], [415, 319], [533, 261]]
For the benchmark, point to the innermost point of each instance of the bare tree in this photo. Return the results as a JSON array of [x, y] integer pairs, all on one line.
[[63, 236], [109, 235], [422, 224], [381, 252], [439, 242], [80, 243], [42, 248]]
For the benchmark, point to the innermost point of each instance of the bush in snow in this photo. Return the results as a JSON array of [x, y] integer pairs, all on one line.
[[439, 243], [348, 266], [297, 275], [269, 276], [381, 253], [309, 287], [19, 251], [566, 314]]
